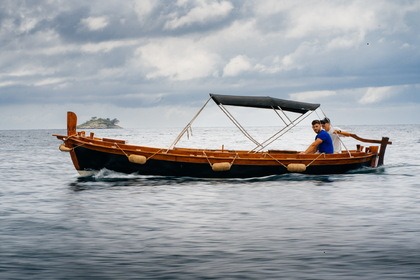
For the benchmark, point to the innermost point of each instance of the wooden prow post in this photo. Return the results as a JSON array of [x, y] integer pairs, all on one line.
[[384, 143], [71, 123]]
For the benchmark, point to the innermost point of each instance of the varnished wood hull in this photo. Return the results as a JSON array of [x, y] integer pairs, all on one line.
[[95, 154], [94, 160]]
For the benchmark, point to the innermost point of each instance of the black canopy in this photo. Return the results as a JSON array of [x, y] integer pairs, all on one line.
[[264, 102]]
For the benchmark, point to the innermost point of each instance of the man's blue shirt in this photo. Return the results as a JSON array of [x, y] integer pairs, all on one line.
[[326, 146]]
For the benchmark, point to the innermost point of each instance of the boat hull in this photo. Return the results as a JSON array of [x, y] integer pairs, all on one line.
[[92, 160]]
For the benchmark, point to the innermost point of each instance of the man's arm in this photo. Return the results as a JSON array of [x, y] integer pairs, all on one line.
[[313, 147], [342, 132]]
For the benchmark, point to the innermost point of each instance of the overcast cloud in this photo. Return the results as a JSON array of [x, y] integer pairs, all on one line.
[[154, 62]]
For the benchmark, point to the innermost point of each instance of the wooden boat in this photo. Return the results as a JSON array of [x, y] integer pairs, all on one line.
[[91, 154]]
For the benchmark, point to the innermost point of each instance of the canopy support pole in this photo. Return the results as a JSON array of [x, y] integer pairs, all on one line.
[[284, 114], [280, 116], [188, 126], [282, 131], [238, 125]]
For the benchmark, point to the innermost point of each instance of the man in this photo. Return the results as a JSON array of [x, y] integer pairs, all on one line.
[[333, 132], [323, 141]]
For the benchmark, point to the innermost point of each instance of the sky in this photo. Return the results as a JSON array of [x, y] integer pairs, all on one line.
[[153, 63]]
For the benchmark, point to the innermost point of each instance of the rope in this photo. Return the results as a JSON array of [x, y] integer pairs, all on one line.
[[316, 159], [75, 147], [266, 154], [116, 144], [154, 154], [276, 160], [231, 163], [286, 166], [78, 146], [72, 136], [207, 157], [234, 159]]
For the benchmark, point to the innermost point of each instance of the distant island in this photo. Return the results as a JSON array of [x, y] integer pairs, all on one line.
[[99, 123]]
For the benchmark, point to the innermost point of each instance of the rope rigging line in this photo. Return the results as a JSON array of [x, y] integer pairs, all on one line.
[[316, 159], [116, 144], [208, 160], [158, 151], [77, 146], [291, 164], [276, 160]]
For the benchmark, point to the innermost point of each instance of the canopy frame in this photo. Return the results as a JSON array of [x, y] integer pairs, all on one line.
[[279, 106]]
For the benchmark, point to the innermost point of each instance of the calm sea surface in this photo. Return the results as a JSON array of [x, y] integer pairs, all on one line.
[[55, 225]]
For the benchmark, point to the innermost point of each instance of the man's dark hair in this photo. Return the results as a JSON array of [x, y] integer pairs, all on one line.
[[325, 120], [316, 122]]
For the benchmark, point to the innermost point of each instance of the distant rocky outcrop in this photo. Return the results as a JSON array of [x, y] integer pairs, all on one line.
[[99, 123]]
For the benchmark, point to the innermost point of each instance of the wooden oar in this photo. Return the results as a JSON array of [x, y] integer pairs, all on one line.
[[368, 140]]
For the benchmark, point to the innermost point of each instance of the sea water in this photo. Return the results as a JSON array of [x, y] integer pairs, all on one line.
[[56, 225]]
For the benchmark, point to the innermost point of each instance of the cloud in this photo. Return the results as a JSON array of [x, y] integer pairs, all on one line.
[[95, 23], [375, 95], [7, 84], [106, 46], [176, 59], [143, 8], [50, 81], [166, 53], [201, 12], [311, 96], [29, 70], [235, 36], [334, 18], [237, 65]]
